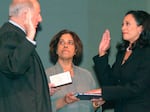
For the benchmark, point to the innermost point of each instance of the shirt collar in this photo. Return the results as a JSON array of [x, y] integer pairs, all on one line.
[[17, 25]]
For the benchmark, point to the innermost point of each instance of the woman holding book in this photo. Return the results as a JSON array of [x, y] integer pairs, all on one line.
[[66, 53]]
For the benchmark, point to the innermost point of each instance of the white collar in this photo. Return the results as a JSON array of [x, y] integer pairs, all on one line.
[[14, 23]]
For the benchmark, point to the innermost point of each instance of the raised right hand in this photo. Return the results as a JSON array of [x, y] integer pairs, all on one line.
[[105, 43], [30, 29]]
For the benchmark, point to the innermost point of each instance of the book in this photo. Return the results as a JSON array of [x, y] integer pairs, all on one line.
[[61, 79], [87, 96]]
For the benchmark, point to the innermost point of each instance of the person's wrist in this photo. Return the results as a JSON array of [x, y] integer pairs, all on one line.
[[102, 53]]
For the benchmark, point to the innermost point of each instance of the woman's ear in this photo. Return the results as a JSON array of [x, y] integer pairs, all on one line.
[[140, 29]]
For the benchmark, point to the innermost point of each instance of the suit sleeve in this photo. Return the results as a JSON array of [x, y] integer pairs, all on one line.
[[138, 86], [15, 53], [103, 70]]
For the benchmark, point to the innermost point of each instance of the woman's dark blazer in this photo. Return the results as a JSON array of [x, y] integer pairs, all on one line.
[[23, 83], [128, 85]]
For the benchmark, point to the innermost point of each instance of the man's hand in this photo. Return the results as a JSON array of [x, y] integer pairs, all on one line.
[[30, 29]]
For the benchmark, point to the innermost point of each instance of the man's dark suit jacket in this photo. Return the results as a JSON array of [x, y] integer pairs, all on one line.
[[23, 83], [128, 85]]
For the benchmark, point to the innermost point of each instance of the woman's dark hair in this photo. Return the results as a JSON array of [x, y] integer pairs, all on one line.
[[54, 43], [142, 18]]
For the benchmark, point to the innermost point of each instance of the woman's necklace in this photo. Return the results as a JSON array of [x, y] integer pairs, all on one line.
[[127, 54], [128, 49]]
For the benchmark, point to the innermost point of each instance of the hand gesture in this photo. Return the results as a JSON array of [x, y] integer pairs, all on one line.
[[30, 29], [105, 43]]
